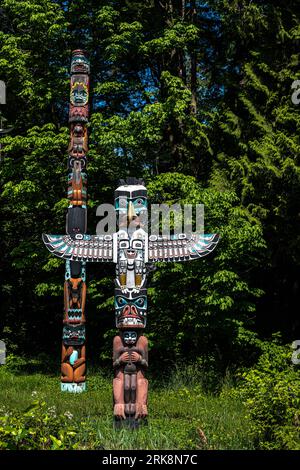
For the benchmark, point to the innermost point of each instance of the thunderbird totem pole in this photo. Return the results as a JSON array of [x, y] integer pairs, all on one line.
[[130, 248]]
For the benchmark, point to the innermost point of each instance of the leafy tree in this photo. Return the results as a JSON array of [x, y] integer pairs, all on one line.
[[258, 146]]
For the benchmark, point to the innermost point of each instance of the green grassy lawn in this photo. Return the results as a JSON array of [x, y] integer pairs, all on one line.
[[181, 416]]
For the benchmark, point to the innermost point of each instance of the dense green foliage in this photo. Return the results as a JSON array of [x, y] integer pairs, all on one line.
[[38, 428], [195, 97], [271, 394]]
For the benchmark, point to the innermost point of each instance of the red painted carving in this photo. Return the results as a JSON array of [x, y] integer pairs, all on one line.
[[130, 387]]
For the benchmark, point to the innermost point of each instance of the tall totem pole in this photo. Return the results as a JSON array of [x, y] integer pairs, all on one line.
[[73, 364], [131, 249]]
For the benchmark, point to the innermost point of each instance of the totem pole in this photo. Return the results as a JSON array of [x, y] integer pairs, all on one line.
[[133, 251], [73, 365], [130, 347]]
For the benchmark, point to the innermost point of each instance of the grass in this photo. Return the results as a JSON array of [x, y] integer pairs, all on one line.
[[181, 414]]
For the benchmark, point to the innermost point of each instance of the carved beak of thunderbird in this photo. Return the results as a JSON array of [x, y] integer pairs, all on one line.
[[131, 214]]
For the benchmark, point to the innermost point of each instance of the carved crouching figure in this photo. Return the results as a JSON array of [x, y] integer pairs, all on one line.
[[73, 364], [130, 387]]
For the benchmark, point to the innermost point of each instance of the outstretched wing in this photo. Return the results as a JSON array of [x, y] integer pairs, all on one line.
[[181, 247], [95, 248]]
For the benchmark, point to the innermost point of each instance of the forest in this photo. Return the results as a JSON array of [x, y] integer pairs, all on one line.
[[201, 99]]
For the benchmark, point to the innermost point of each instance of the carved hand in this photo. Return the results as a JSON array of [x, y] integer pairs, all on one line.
[[78, 362], [124, 357], [135, 357]]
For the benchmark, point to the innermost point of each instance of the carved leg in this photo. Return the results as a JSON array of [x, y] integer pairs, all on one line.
[[133, 394], [66, 368], [66, 372], [141, 396], [127, 393], [118, 391], [79, 374]]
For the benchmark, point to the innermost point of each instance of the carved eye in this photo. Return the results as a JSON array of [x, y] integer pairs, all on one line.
[[123, 202], [124, 244], [137, 244], [121, 301], [140, 203], [140, 302]]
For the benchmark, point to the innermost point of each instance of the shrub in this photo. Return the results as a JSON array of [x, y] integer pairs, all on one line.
[[38, 427], [271, 393]]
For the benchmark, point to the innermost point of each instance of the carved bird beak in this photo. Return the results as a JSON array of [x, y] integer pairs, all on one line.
[[131, 212]]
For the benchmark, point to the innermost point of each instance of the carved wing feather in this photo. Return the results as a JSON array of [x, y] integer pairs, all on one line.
[[181, 247], [93, 248]]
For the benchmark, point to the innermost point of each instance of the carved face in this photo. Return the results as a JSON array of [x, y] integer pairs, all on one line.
[[78, 140], [131, 205], [129, 337], [75, 290], [74, 335], [131, 309], [79, 63], [79, 93], [73, 162], [131, 250], [79, 113]]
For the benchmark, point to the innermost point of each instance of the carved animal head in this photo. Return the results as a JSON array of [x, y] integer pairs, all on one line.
[[131, 308], [129, 337], [131, 205]]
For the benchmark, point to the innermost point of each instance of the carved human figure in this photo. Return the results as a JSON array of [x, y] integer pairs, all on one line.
[[75, 296], [78, 145], [73, 365], [130, 387]]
